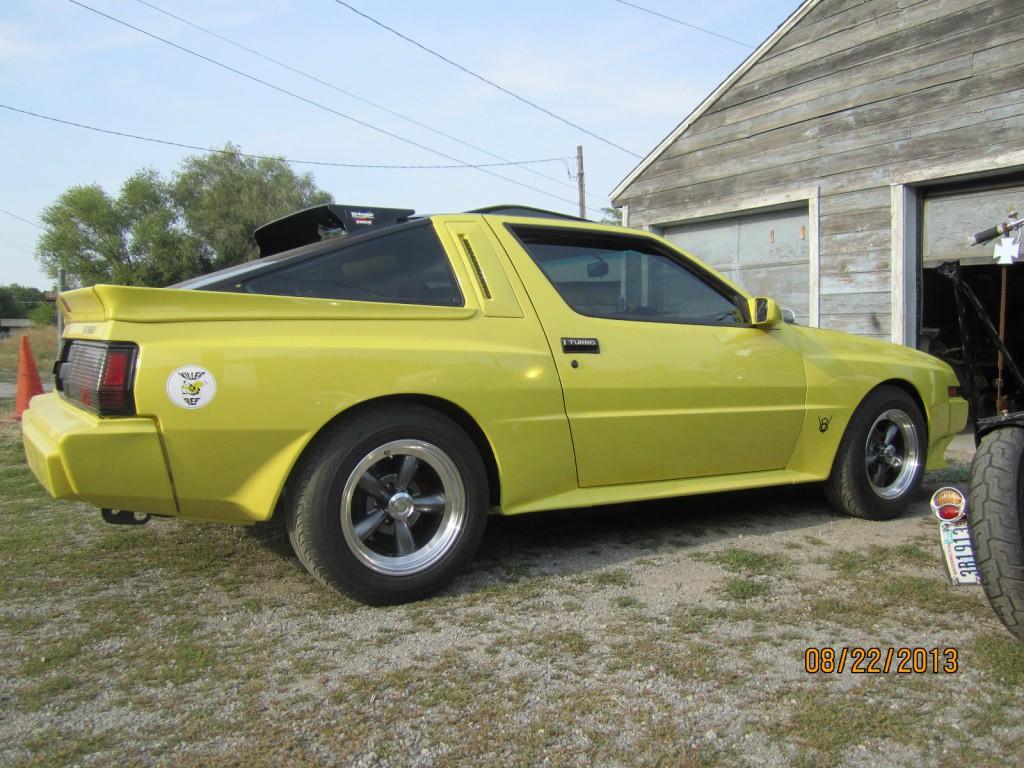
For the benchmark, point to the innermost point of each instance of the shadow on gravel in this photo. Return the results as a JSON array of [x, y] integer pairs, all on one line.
[[580, 541], [567, 542]]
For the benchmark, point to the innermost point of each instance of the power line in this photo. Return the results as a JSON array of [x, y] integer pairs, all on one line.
[[483, 79], [341, 90], [685, 24], [319, 105], [35, 224], [16, 244], [170, 143]]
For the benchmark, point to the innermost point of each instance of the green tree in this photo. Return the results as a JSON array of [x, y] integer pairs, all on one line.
[[44, 313], [611, 216], [132, 239], [158, 232], [17, 301], [224, 197]]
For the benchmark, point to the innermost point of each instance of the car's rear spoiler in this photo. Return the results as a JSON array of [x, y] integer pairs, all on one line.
[[311, 224]]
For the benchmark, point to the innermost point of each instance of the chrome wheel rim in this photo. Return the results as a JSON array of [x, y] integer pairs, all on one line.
[[403, 507], [892, 454]]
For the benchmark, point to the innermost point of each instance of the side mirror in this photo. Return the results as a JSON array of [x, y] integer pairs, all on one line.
[[597, 268], [764, 313], [788, 316]]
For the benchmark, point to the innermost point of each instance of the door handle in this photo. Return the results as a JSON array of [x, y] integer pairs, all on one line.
[[580, 345]]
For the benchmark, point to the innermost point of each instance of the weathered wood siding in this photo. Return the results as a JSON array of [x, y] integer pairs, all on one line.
[[857, 93]]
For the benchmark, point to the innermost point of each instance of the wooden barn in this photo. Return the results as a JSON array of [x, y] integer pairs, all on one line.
[[855, 150]]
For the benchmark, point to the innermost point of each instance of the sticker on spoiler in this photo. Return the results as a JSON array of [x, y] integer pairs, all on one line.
[[191, 387]]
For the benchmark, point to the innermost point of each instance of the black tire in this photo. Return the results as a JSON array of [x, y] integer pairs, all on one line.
[[994, 510], [864, 482], [356, 531]]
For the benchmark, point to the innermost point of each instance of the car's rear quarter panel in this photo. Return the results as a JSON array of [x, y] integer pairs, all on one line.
[[280, 382]]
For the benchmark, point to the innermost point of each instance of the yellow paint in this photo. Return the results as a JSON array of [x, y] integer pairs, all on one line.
[[664, 410], [116, 463]]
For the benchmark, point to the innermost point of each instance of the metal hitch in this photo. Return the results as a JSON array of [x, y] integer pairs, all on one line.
[[124, 517]]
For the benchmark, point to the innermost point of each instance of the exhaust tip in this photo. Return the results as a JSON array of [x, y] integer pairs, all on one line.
[[124, 517]]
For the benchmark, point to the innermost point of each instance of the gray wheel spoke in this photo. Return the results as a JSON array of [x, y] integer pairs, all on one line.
[[371, 485], [879, 476], [430, 505], [404, 539], [890, 434], [405, 474], [377, 519], [369, 524], [893, 456]]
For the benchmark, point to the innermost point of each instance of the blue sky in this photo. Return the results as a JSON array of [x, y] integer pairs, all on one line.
[[621, 73]]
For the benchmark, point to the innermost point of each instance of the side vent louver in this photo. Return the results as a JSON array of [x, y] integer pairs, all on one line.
[[476, 265]]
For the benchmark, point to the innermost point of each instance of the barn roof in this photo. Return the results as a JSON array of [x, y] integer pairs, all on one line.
[[725, 85]]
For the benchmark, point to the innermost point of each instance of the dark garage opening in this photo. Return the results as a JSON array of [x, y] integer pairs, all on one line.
[[949, 215], [940, 333]]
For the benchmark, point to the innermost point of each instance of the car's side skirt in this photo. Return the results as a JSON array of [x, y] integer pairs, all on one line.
[[619, 494]]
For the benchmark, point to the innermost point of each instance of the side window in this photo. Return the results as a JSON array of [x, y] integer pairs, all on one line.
[[627, 278], [408, 266]]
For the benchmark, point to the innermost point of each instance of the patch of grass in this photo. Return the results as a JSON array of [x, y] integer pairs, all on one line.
[[915, 554], [829, 722], [52, 746], [877, 560], [739, 588], [648, 654], [43, 341], [955, 473], [749, 562], [912, 601], [511, 596], [36, 696], [614, 578], [557, 643], [696, 620], [626, 601], [999, 656], [932, 594], [52, 656]]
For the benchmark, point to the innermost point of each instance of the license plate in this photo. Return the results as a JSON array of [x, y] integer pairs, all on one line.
[[959, 552], [950, 507]]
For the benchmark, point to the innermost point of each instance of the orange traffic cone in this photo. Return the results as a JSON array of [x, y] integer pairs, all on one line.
[[29, 384]]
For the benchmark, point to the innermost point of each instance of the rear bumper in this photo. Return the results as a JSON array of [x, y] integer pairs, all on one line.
[[116, 463]]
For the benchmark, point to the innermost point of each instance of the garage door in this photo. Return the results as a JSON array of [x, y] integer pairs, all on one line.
[[766, 253], [949, 217]]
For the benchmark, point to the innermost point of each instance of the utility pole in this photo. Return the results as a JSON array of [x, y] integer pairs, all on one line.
[[579, 181], [62, 285]]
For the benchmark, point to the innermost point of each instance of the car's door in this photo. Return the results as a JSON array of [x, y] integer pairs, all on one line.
[[662, 374]]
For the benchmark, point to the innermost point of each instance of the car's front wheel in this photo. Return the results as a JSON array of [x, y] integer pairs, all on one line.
[[881, 458], [390, 505]]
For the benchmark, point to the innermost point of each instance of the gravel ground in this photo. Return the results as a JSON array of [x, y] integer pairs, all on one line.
[[669, 633]]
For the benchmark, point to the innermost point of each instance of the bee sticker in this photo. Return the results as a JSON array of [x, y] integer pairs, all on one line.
[[191, 387]]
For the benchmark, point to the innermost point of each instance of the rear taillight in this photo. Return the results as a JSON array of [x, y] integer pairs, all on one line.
[[98, 375]]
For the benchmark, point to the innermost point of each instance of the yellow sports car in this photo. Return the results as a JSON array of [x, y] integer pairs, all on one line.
[[382, 382]]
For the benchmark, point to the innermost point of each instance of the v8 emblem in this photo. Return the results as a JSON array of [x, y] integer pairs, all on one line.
[[823, 422]]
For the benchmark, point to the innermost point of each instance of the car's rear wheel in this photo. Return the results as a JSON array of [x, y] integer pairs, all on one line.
[[389, 506], [881, 458]]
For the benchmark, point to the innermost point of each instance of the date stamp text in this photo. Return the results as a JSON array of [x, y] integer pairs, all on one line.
[[881, 661]]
